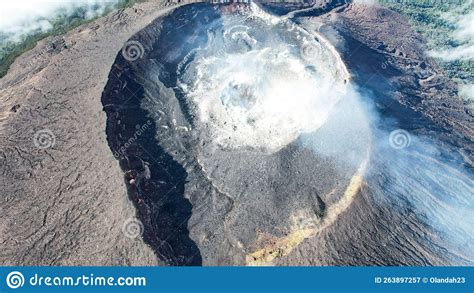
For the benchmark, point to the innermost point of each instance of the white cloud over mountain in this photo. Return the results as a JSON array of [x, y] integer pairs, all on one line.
[[19, 18]]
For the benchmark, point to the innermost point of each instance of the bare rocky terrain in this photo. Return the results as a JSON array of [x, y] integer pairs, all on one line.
[[66, 204], [65, 201], [419, 82]]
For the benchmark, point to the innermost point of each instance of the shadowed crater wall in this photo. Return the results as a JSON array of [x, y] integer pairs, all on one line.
[[157, 186]]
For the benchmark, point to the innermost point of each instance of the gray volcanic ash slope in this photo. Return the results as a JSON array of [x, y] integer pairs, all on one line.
[[245, 138], [65, 203]]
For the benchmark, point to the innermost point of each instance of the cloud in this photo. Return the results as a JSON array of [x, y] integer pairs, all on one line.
[[20, 18], [467, 91], [463, 34], [366, 2]]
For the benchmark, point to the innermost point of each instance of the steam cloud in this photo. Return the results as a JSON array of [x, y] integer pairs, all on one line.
[[252, 77]]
